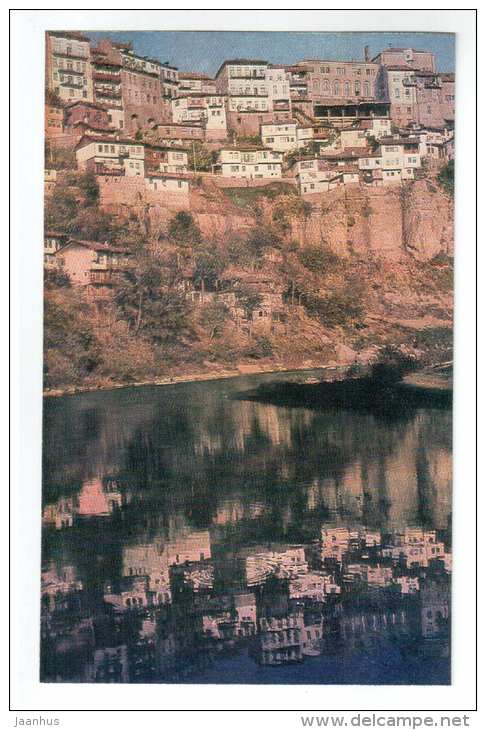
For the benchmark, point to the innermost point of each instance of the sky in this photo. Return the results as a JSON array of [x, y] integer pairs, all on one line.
[[205, 51]]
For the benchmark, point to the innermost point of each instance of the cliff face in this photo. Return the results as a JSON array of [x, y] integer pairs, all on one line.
[[391, 222]]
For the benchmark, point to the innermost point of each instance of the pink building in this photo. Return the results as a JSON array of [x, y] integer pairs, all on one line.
[[411, 57], [92, 264]]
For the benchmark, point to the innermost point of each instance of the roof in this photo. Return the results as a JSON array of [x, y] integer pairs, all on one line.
[[84, 102], [194, 75], [358, 62], [70, 34], [165, 147], [399, 140], [86, 139], [400, 50], [178, 124], [248, 148], [56, 234], [347, 153], [239, 62], [95, 246]]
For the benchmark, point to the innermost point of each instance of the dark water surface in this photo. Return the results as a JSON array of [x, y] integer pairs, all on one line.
[[192, 537]]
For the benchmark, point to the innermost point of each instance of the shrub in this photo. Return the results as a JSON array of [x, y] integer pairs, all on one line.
[[446, 177]]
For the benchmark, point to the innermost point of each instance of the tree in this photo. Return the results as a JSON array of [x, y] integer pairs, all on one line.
[[318, 259], [183, 231], [209, 264], [446, 177], [150, 303], [71, 349], [88, 185], [200, 157], [249, 300], [261, 238], [60, 209], [213, 318]]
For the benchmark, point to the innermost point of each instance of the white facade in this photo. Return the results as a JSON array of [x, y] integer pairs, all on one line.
[[124, 157], [279, 137], [259, 163], [209, 110], [172, 184]]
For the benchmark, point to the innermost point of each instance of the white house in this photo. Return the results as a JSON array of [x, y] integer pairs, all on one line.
[[279, 137], [171, 182], [250, 162], [105, 155], [397, 158]]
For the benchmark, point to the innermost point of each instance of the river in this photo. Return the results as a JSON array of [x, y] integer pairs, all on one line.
[[189, 536]]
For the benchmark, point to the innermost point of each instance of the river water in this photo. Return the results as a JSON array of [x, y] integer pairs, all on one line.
[[192, 537]]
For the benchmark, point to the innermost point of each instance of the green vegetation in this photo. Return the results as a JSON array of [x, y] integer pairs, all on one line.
[[446, 177], [249, 197], [188, 301], [201, 158]]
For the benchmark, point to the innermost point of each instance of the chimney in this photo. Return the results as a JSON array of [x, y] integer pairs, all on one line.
[[366, 53]]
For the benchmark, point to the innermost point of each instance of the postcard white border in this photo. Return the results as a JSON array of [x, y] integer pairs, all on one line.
[[27, 190]]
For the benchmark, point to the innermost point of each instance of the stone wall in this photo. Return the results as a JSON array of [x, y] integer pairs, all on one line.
[[117, 192]]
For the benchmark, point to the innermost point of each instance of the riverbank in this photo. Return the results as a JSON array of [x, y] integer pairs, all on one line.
[[380, 392], [238, 372]]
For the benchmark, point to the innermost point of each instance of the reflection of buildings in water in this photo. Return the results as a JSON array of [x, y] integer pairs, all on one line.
[[98, 498], [110, 665], [59, 588], [314, 585], [375, 592], [280, 636], [434, 605], [279, 562]]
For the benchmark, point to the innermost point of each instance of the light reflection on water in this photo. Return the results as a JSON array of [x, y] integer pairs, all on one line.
[[192, 537]]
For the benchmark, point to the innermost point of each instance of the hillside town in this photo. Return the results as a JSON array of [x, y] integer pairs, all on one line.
[[149, 139]]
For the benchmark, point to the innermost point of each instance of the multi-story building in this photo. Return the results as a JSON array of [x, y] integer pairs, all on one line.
[[414, 59], [417, 93], [191, 82], [397, 158], [250, 162], [53, 241], [159, 158], [107, 78], [286, 136], [169, 81], [95, 116], [89, 263], [349, 80], [209, 110], [241, 76], [53, 120], [68, 67], [110, 156], [132, 86], [279, 137]]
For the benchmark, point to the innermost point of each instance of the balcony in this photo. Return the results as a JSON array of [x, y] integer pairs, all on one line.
[[254, 75], [101, 169], [108, 93], [110, 78], [62, 54]]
